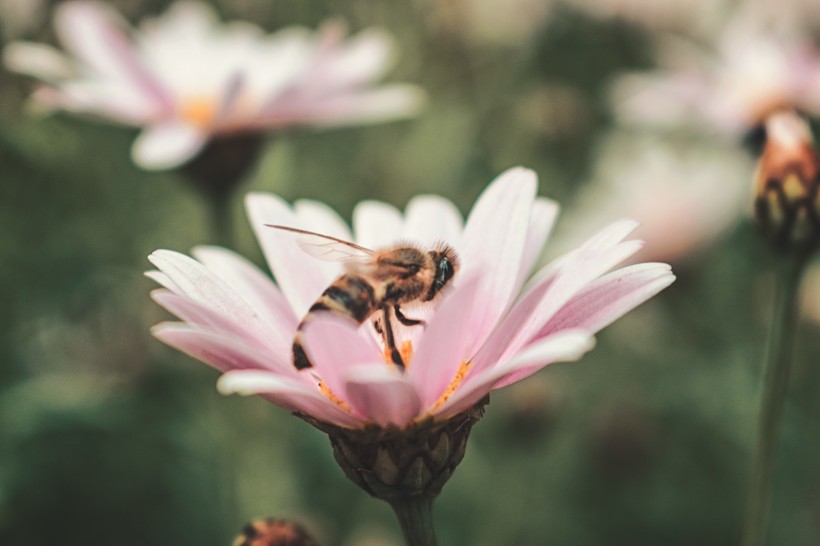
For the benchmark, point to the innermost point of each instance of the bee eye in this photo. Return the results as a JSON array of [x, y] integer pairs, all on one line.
[[445, 272]]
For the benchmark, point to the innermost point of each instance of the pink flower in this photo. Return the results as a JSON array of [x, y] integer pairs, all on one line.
[[752, 72], [185, 77], [685, 194], [484, 334]]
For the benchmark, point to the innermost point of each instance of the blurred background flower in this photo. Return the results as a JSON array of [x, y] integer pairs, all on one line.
[[646, 442], [185, 77]]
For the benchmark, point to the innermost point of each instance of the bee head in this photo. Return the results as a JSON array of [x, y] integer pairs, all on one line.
[[445, 262]]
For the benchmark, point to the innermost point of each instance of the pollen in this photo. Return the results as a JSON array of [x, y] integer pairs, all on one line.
[[332, 396], [454, 384], [200, 111], [405, 350]]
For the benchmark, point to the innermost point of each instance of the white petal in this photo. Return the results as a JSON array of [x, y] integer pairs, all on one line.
[[376, 224], [542, 220], [430, 219], [494, 240], [301, 277], [167, 145]]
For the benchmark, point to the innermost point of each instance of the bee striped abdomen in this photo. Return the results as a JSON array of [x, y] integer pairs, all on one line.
[[349, 296]]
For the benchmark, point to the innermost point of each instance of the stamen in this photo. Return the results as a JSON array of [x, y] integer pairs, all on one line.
[[199, 111], [332, 396], [405, 350], [451, 388]]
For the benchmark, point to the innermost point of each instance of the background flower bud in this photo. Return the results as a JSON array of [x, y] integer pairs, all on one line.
[[787, 184]]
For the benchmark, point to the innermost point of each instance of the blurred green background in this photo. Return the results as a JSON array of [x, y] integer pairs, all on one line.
[[107, 437]]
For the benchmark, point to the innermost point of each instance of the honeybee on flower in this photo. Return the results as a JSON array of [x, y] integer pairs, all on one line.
[[483, 334]]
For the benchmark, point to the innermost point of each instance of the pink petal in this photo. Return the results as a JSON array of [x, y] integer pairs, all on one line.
[[493, 242], [255, 287], [301, 277], [376, 224], [96, 34], [221, 351], [430, 219], [445, 344], [198, 314], [292, 395], [385, 103], [554, 289], [610, 297], [167, 145], [203, 286], [563, 347], [382, 394], [334, 346], [322, 219], [542, 220]]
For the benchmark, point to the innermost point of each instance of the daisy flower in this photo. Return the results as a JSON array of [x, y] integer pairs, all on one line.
[[185, 77], [685, 194], [390, 427], [751, 72]]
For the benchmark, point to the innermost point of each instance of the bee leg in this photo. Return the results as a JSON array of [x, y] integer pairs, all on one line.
[[389, 340], [407, 321]]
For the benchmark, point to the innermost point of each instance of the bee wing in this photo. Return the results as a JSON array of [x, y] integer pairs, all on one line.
[[327, 248]]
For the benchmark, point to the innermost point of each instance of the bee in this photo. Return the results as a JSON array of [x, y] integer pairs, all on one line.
[[375, 281]]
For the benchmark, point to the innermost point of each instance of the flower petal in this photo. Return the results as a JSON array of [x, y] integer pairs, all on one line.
[[96, 34], [167, 145], [430, 219], [301, 277], [445, 343], [610, 297], [494, 240], [322, 219], [289, 394], [333, 345], [203, 286], [382, 394], [37, 60], [376, 224], [566, 346], [542, 220], [198, 314], [256, 288], [553, 289], [221, 351]]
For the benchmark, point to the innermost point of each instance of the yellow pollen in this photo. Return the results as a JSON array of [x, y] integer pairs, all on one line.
[[451, 388], [199, 111], [332, 396], [406, 352]]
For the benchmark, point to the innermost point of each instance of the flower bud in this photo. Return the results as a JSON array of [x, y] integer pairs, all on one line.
[[787, 182], [395, 464], [273, 532]]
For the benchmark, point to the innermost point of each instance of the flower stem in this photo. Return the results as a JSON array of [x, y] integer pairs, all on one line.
[[221, 219], [775, 386], [416, 519]]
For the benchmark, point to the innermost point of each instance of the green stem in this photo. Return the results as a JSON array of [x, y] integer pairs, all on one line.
[[775, 386], [416, 519], [221, 219]]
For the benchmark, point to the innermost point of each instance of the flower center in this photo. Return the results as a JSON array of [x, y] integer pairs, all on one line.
[[405, 350], [199, 111], [451, 388]]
